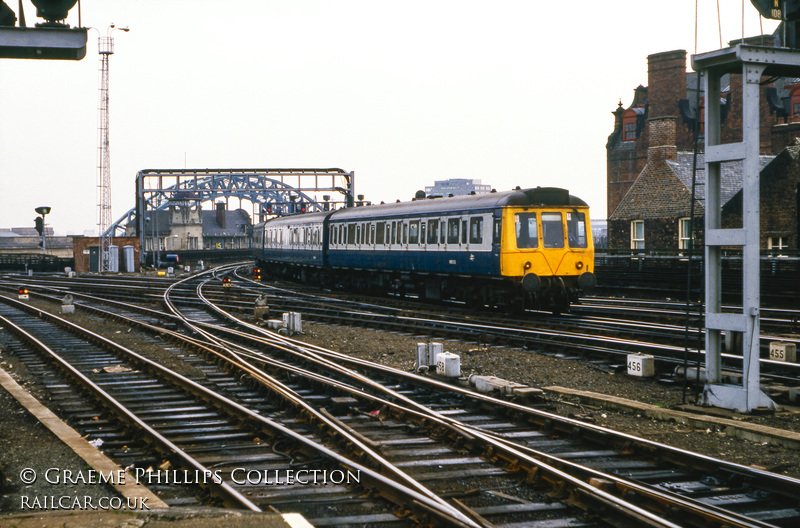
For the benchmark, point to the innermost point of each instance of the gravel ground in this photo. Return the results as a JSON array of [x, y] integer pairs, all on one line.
[[26, 443], [543, 370]]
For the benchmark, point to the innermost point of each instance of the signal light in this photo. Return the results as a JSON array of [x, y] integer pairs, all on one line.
[[226, 282], [53, 10], [39, 224], [23, 293], [257, 274]]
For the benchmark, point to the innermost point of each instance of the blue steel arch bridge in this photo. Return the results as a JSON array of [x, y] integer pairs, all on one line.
[[269, 192]]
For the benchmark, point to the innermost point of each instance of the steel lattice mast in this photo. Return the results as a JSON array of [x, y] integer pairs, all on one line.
[[106, 49]]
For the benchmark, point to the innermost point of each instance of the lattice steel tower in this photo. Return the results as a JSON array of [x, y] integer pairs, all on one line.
[[106, 49]]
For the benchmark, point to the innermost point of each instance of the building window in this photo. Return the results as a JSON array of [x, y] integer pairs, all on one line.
[[794, 100], [629, 125], [637, 234], [684, 232], [192, 242], [776, 244]]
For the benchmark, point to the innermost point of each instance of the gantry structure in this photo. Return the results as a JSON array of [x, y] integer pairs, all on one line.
[[270, 192], [755, 64]]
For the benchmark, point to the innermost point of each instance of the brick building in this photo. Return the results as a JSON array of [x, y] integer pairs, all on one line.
[[650, 158], [779, 187], [185, 226]]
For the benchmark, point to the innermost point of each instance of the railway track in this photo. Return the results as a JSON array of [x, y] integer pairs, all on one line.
[[519, 457], [607, 338]]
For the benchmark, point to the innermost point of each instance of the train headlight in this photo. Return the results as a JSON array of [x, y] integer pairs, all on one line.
[[579, 265], [527, 266]]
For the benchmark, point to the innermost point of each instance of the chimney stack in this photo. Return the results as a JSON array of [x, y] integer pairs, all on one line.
[[220, 214], [662, 140]]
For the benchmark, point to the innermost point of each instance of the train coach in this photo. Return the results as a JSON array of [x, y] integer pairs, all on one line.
[[516, 249]]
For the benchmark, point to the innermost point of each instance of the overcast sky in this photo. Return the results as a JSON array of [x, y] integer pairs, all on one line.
[[510, 92]]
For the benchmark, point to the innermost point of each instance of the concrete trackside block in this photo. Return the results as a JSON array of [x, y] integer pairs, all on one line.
[[783, 351], [641, 365]]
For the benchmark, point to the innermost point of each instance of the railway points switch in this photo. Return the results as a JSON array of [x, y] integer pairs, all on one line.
[[493, 383], [423, 363], [426, 354], [293, 323], [641, 365]]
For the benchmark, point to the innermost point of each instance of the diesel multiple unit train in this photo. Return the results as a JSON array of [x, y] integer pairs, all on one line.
[[518, 249]]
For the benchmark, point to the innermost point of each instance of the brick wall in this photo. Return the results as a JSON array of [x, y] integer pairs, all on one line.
[[666, 85], [660, 235], [81, 247], [779, 189], [624, 160]]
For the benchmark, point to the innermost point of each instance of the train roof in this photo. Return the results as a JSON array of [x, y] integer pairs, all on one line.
[[539, 196], [298, 219]]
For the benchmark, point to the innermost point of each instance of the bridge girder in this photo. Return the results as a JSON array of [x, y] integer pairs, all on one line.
[[272, 192]]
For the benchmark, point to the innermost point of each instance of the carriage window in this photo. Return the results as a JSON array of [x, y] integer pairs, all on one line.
[[452, 231], [476, 230], [433, 231], [379, 230], [394, 232], [497, 230], [422, 233], [405, 233], [351, 234], [576, 230], [413, 232], [527, 233], [552, 230], [463, 231], [372, 234]]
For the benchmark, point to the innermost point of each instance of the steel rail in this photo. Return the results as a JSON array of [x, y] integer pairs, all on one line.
[[597, 476], [515, 453], [397, 492], [719, 516], [774, 482], [290, 396], [231, 496], [590, 494], [667, 452]]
